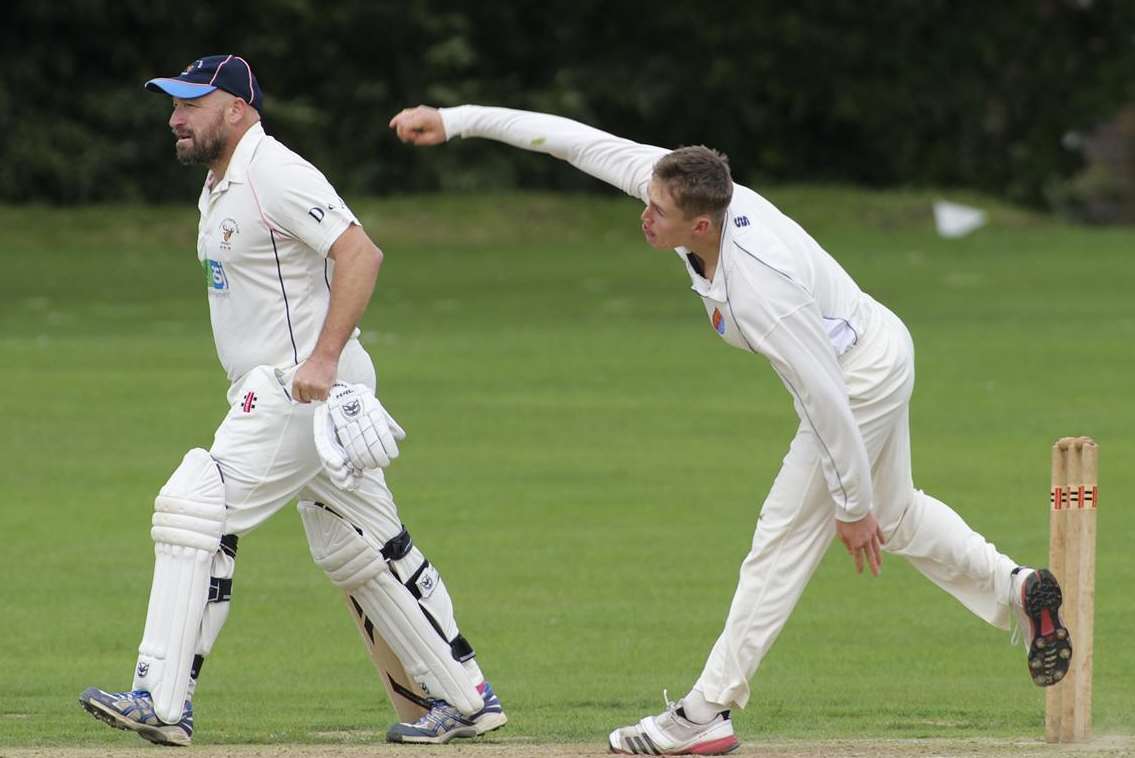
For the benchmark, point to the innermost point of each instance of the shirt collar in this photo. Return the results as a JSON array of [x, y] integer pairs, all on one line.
[[714, 290], [242, 156]]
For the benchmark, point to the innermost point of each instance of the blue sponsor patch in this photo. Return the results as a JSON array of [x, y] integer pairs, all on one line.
[[215, 278]]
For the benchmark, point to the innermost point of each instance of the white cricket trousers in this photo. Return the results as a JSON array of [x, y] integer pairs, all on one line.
[[797, 521], [266, 450]]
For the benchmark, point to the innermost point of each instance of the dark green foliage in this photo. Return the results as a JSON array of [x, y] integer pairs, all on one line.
[[890, 92]]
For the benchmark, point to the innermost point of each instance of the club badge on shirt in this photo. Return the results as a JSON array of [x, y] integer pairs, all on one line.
[[718, 322], [229, 227]]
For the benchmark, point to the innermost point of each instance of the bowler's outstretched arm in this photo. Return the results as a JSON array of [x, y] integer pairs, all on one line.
[[616, 161]]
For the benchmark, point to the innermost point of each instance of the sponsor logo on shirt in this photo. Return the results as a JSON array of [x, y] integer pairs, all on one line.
[[741, 221], [319, 213], [718, 322], [249, 402], [215, 278]]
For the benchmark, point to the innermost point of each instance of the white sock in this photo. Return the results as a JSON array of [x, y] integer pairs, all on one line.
[[698, 709], [474, 671], [1015, 584]]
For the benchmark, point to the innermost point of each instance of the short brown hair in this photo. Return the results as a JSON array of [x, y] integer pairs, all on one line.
[[698, 179]]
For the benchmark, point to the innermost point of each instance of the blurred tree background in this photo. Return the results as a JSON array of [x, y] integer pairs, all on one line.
[[1000, 97]]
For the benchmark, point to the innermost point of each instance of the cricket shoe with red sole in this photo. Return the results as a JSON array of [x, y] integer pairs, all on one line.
[[671, 733], [1049, 643]]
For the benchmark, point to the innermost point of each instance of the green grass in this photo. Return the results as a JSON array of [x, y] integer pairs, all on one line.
[[585, 464]]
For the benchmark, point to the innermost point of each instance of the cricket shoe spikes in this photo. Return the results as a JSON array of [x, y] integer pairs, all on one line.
[[134, 712], [1049, 644], [671, 733], [442, 722]]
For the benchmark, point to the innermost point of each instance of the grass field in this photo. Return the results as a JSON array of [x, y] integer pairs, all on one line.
[[585, 464]]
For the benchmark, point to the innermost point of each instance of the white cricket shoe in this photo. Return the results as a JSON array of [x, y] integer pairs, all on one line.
[[670, 733]]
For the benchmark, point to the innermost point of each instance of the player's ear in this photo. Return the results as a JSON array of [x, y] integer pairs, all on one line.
[[236, 110]]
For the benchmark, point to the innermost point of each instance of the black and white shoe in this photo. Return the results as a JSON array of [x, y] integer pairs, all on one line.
[[1047, 640]]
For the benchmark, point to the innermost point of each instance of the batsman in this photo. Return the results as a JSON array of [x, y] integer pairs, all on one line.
[[288, 273], [847, 363]]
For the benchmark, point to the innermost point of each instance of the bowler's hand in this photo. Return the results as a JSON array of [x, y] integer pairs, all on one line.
[[863, 540], [419, 126], [314, 379]]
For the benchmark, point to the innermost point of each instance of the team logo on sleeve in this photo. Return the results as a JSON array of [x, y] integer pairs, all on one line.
[[718, 322]]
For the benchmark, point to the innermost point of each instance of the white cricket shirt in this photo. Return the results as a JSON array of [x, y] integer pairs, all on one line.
[[775, 291], [262, 241]]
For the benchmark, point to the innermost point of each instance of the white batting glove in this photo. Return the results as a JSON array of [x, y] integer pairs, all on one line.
[[334, 456], [365, 430]]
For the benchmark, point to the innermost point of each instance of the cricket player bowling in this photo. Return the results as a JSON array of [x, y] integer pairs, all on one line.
[[847, 364]]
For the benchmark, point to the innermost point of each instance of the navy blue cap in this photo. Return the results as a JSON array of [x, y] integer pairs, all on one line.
[[230, 73]]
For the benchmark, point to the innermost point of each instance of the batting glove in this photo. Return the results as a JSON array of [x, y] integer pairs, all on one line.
[[335, 460], [367, 433]]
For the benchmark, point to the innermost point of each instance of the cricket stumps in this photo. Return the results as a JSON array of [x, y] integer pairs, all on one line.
[[1072, 559]]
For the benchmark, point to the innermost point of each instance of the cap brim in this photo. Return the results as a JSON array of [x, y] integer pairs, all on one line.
[[178, 88]]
